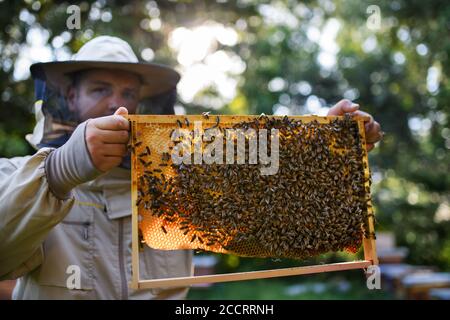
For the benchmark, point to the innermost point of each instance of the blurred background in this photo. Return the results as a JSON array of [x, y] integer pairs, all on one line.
[[283, 57]]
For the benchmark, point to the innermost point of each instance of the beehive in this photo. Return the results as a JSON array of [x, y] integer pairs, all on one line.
[[204, 206]]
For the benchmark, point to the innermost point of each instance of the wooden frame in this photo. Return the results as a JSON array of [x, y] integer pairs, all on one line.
[[369, 247]]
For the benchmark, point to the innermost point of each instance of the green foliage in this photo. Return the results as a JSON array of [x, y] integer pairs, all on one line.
[[317, 287]]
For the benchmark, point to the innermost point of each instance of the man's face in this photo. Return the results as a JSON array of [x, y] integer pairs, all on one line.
[[100, 92]]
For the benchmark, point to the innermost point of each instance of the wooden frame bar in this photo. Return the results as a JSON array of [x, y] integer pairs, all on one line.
[[370, 255], [370, 252], [252, 275]]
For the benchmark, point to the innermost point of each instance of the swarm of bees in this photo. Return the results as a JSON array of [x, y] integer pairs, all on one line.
[[316, 203]]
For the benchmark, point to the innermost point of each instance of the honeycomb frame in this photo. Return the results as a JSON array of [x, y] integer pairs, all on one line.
[[171, 122]]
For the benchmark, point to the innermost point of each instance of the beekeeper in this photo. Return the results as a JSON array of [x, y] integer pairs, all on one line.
[[65, 212]]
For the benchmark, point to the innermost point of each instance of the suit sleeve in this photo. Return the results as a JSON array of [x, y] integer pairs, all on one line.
[[28, 211]]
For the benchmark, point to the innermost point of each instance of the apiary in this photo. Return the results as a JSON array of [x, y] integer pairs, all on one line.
[[253, 186]]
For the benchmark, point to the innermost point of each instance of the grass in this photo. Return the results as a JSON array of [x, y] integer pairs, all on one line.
[[347, 285]]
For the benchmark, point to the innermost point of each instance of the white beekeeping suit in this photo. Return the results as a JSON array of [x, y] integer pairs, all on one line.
[[49, 237]]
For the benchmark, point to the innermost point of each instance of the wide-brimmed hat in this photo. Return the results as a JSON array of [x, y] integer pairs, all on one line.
[[108, 53]]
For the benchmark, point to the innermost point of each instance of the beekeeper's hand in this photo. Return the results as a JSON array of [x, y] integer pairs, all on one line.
[[107, 138], [95, 147], [372, 128]]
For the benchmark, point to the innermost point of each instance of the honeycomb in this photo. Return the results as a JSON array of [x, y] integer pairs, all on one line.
[[233, 208]]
